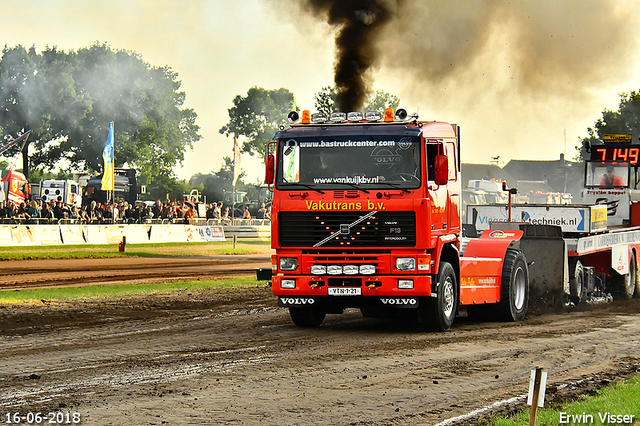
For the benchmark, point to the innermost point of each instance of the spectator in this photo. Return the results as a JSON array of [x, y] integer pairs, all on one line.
[[56, 207], [225, 215], [34, 209], [211, 211], [84, 215], [189, 213], [261, 212], [74, 214], [246, 214], [47, 212], [158, 209]]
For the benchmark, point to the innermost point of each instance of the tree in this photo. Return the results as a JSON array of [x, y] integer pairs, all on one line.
[[69, 99], [258, 116], [325, 101], [626, 120]]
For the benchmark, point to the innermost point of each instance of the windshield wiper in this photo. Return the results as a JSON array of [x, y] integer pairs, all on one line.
[[353, 185], [305, 185], [395, 185]]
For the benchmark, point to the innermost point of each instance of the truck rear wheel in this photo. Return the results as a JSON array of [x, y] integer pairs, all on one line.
[[514, 288], [438, 313], [308, 316]]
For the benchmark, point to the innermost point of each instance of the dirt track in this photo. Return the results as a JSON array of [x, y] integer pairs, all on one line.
[[233, 357]]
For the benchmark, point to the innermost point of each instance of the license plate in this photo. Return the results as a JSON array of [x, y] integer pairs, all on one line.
[[345, 291]]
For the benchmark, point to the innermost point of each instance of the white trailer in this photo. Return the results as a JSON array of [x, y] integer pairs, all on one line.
[[67, 191]]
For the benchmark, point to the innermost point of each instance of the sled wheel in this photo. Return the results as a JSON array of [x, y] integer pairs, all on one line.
[[636, 275], [577, 288], [438, 313], [630, 281], [308, 316], [514, 287]]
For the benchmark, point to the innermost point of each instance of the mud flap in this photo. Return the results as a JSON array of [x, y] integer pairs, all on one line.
[[546, 254]]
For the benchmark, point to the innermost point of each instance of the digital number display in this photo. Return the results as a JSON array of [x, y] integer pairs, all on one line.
[[621, 154]]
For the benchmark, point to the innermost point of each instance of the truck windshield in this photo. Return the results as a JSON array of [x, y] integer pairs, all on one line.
[[325, 163]]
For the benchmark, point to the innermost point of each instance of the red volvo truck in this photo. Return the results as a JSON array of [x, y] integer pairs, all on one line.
[[366, 213]]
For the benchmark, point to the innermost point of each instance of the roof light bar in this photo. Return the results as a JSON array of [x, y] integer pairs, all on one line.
[[319, 117], [306, 117], [372, 116], [388, 114], [337, 117], [355, 116]]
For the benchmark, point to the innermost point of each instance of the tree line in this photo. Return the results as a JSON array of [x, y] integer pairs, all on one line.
[[68, 99]]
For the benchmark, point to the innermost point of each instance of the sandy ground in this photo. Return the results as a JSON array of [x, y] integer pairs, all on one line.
[[232, 357]]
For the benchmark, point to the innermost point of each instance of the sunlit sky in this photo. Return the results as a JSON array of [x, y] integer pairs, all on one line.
[[220, 49]]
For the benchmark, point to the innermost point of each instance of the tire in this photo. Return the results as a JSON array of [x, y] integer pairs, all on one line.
[[577, 289], [637, 276], [437, 313], [630, 281], [514, 288], [308, 317]]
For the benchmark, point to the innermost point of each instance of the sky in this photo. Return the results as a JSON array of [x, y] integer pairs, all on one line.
[[524, 80]]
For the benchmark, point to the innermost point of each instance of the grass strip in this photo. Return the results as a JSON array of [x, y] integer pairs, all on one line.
[[65, 294], [132, 250], [607, 407]]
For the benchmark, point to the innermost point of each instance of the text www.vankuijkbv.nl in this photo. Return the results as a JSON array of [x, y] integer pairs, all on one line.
[[347, 179]]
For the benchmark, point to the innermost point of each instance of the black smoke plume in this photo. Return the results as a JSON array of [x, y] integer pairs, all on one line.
[[359, 23]]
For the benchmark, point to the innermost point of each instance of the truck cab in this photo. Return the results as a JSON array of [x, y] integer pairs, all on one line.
[[365, 213]]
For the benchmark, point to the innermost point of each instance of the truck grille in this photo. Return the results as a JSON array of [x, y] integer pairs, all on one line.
[[314, 229]]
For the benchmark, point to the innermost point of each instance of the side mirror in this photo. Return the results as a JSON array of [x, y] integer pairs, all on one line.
[[441, 169], [269, 170]]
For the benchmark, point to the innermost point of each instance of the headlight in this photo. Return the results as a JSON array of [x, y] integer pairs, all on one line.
[[287, 283], [350, 269], [318, 269], [288, 263], [367, 269], [405, 264], [405, 284], [334, 269]]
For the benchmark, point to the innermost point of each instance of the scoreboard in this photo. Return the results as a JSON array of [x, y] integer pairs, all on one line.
[[616, 152]]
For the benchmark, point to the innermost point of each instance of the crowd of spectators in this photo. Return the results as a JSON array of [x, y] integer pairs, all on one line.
[[39, 211]]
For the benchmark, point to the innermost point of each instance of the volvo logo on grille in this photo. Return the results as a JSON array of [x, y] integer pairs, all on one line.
[[286, 302], [399, 301]]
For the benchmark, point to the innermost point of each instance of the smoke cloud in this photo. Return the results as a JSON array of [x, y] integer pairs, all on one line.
[[539, 47], [359, 23]]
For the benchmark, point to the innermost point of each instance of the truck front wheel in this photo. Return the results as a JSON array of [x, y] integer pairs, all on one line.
[[514, 290], [438, 313], [308, 316]]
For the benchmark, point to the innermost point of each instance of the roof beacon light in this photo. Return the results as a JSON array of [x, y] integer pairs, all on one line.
[[319, 117], [401, 114], [337, 117], [388, 114], [372, 116], [306, 117], [293, 117], [355, 116]]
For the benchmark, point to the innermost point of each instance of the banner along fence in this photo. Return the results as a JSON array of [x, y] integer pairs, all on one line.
[[67, 234]]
